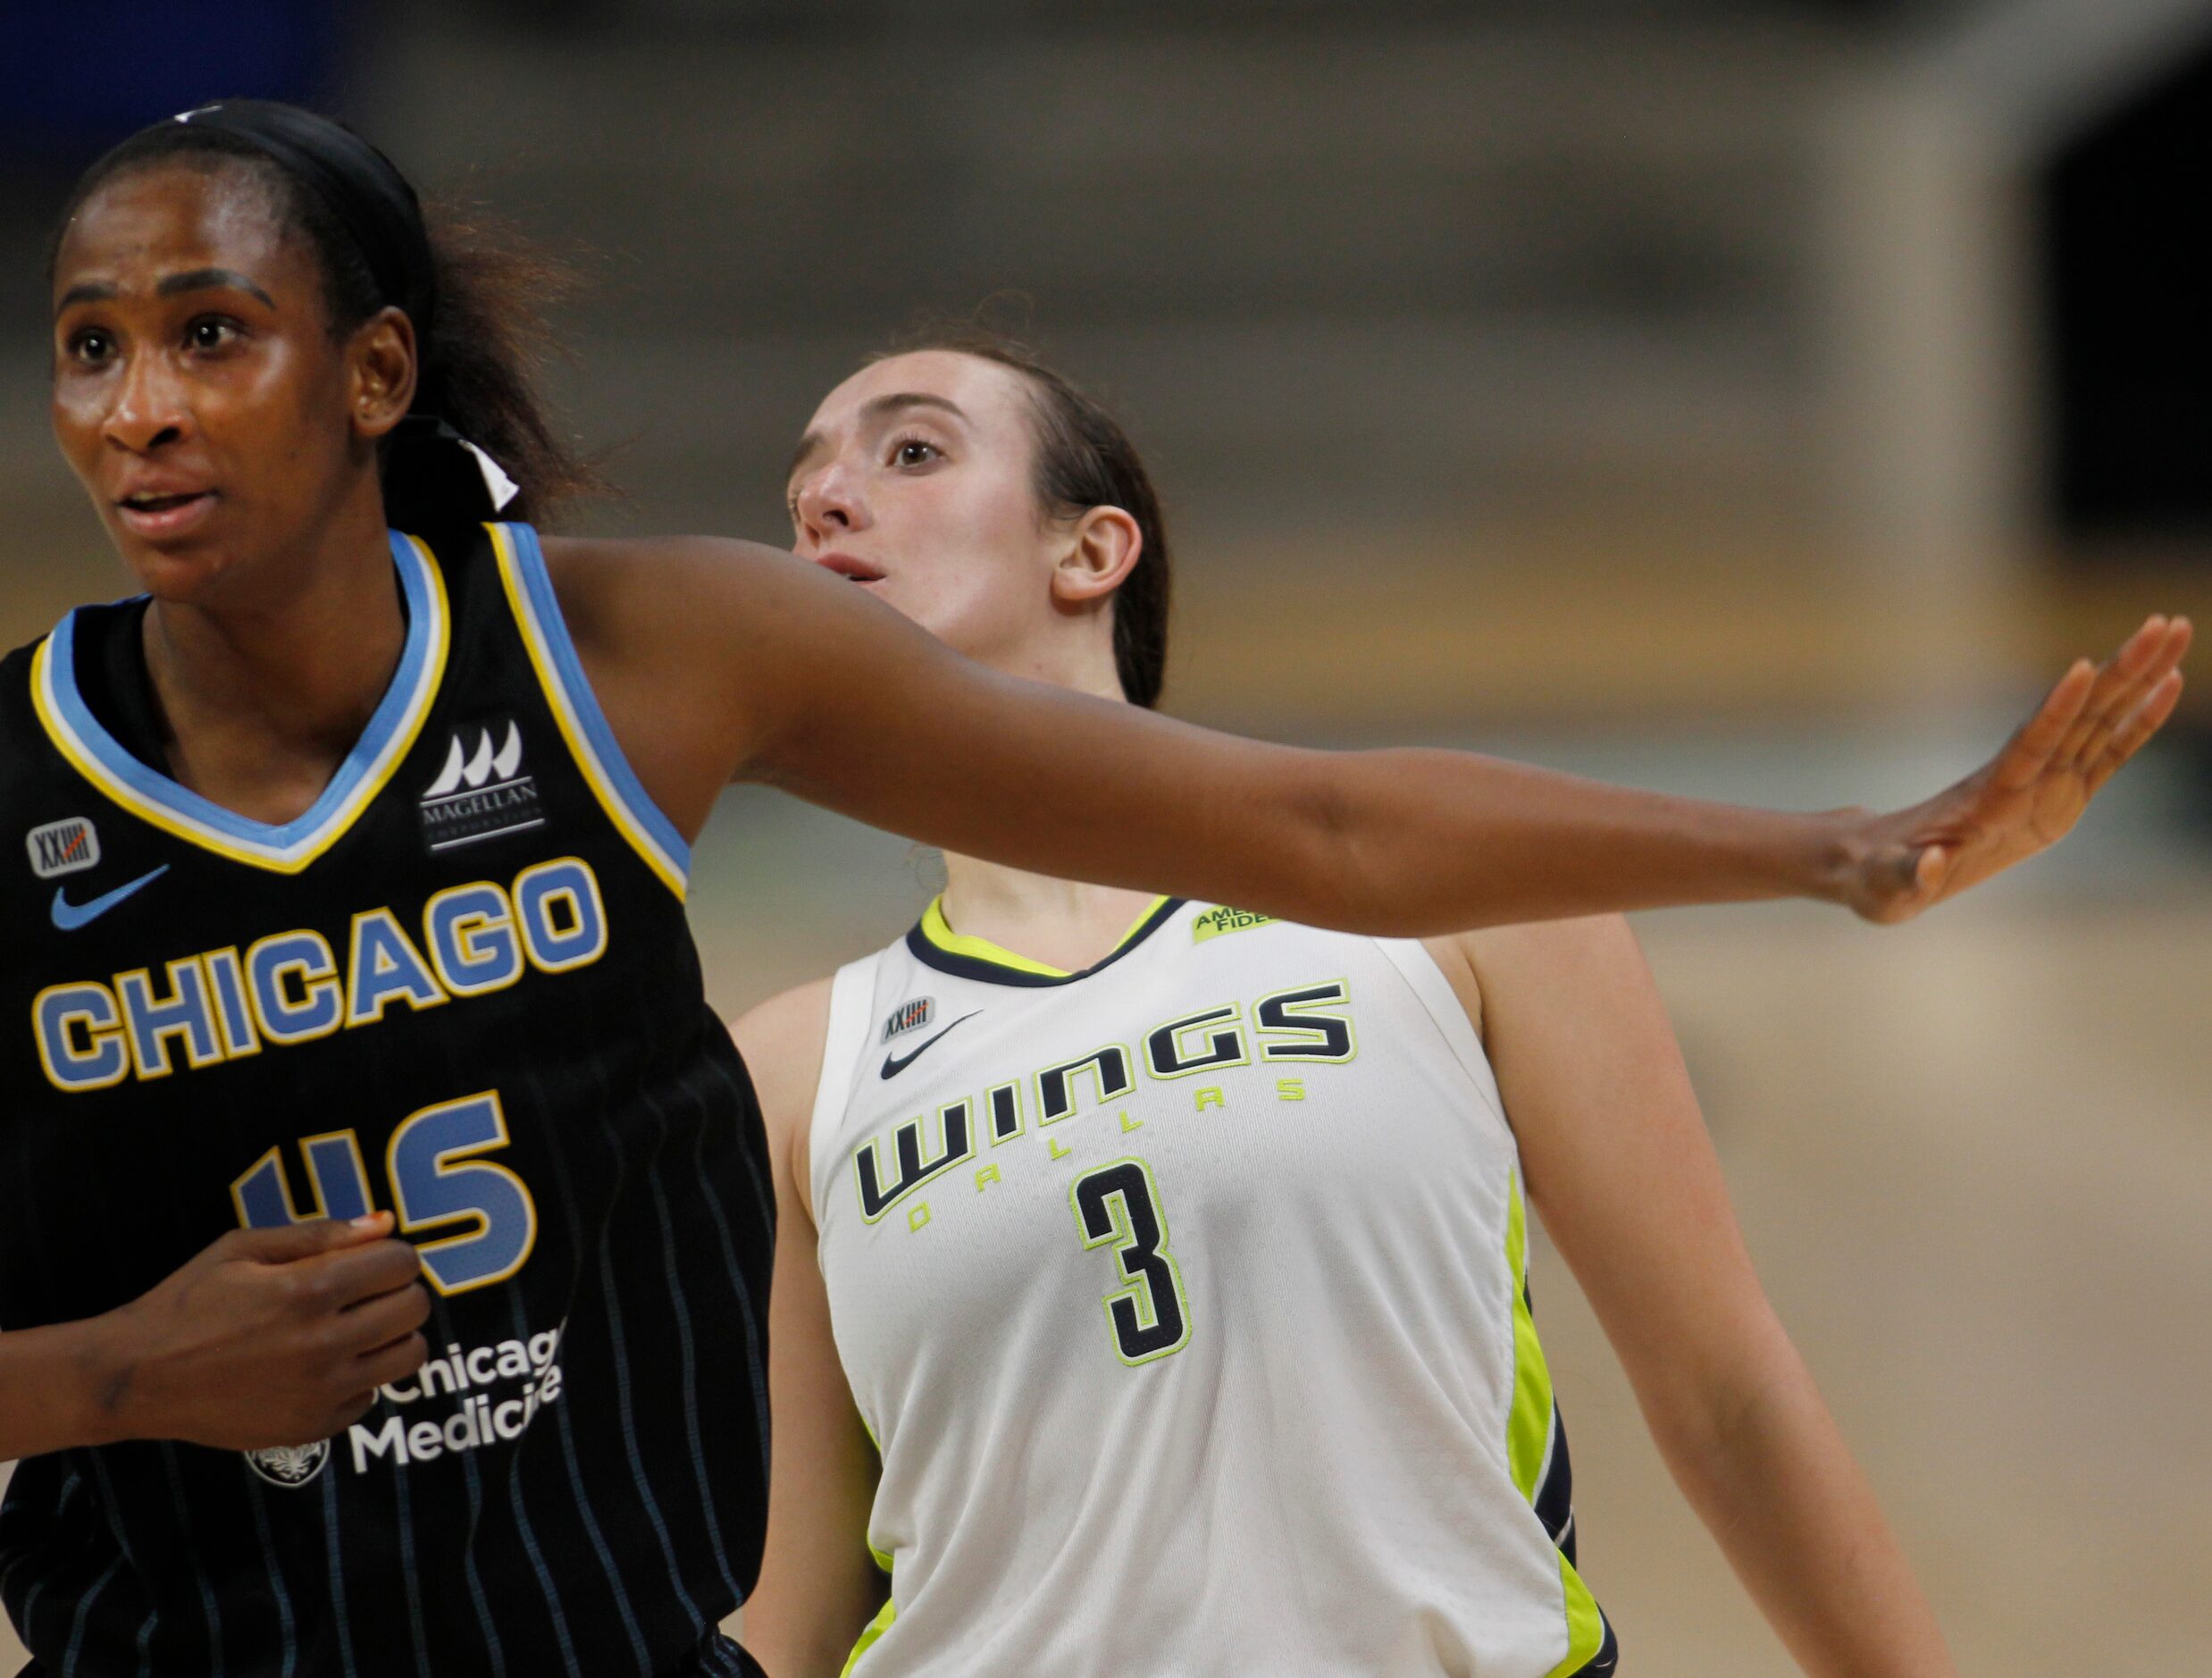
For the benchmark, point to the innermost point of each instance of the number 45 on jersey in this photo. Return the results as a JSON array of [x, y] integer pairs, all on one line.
[[436, 1182]]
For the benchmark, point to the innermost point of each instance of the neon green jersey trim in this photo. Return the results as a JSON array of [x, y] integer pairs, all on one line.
[[1528, 1429], [889, 1612], [1585, 1627], [1528, 1435], [876, 1627], [939, 932]]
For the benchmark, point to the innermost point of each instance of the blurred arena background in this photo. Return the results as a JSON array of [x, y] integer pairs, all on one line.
[[1757, 397]]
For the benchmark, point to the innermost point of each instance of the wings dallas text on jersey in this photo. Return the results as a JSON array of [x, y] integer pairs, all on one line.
[[1304, 1025], [1263, 1170]]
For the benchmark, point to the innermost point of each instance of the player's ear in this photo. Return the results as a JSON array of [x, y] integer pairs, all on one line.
[[382, 358], [1107, 544]]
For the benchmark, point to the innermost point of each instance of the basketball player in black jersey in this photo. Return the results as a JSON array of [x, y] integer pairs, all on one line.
[[384, 1223]]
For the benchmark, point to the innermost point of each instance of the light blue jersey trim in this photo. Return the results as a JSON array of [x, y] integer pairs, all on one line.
[[605, 763], [392, 729]]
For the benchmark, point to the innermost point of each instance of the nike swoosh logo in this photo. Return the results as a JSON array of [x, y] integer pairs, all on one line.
[[69, 916], [894, 1064]]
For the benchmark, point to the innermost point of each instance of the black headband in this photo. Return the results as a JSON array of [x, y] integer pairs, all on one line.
[[359, 185]]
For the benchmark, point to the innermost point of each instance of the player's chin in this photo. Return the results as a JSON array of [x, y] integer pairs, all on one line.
[[185, 571]]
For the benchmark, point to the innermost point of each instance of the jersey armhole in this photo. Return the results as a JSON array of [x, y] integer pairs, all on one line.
[[576, 709], [1441, 1004], [851, 992]]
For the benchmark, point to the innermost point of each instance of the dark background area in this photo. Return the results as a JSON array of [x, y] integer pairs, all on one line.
[[2130, 283]]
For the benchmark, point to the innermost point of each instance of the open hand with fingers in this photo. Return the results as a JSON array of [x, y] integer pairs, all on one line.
[[2030, 795]]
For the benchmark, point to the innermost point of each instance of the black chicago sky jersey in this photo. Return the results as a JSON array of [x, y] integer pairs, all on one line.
[[461, 988]]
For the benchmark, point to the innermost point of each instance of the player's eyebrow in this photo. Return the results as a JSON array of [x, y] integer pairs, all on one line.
[[169, 286], [85, 291], [211, 279], [875, 408]]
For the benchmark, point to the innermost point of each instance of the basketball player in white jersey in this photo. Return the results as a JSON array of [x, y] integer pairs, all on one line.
[[1173, 1257]]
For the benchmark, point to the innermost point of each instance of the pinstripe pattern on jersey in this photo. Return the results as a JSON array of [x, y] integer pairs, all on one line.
[[216, 1665], [625, 1519], [333, 1557], [547, 1589], [410, 1576], [83, 1607], [471, 1478], [70, 1486], [288, 1629], [610, 1569], [764, 1208], [687, 1358], [619, 1343]]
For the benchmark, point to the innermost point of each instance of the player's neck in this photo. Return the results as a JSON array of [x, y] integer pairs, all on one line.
[[1065, 923], [262, 699]]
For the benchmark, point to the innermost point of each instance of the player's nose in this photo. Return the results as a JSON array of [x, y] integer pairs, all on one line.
[[826, 505], [149, 409]]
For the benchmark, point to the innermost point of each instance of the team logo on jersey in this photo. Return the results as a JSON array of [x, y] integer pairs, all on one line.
[[289, 1465], [482, 790], [62, 847], [910, 1017]]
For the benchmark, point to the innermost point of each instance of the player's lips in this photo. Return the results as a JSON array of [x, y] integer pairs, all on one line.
[[164, 510], [847, 564]]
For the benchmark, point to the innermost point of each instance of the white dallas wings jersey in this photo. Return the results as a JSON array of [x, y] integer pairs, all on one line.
[[1185, 1298]]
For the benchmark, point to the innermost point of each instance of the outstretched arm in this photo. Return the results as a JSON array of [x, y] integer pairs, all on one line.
[[718, 661], [1618, 1164]]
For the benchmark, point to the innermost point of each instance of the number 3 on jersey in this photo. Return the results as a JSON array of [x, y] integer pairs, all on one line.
[[1117, 1205], [434, 1182]]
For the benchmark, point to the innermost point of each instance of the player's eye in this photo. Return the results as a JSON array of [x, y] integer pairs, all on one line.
[[914, 451], [92, 347], [211, 332]]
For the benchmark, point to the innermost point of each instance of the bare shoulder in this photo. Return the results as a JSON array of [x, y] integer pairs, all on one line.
[[782, 1040], [1561, 948], [1537, 963], [1548, 985]]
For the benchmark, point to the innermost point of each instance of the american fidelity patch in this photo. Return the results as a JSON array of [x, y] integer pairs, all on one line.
[[1214, 922]]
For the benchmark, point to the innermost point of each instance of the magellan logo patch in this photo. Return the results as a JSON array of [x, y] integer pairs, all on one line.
[[1213, 922], [482, 790], [910, 1017], [62, 847]]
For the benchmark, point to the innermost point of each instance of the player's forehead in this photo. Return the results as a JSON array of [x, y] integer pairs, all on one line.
[[173, 216], [982, 394]]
